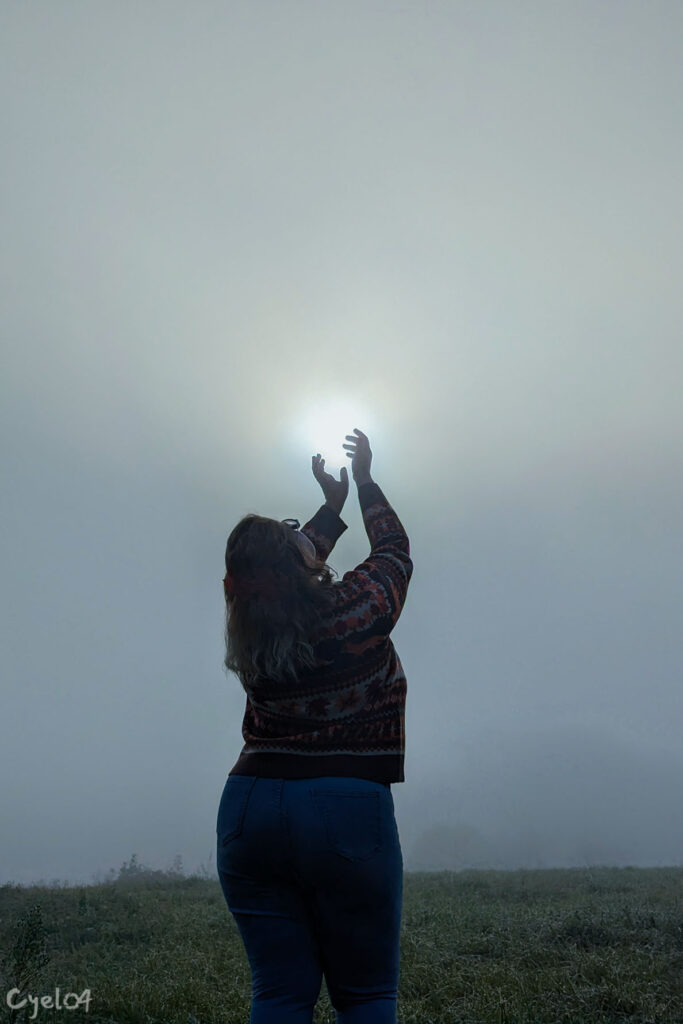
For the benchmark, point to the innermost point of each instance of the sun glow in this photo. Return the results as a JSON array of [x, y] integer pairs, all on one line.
[[325, 426]]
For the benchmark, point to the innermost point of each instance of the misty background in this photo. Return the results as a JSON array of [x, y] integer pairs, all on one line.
[[231, 233]]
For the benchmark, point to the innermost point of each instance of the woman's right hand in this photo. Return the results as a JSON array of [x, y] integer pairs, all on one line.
[[360, 455]]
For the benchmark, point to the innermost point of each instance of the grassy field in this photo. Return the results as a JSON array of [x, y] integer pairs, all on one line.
[[531, 947]]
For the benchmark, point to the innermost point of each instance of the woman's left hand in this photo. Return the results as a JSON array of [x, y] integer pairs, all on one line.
[[335, 491]]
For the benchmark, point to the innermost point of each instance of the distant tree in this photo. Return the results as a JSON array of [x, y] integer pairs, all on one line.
[[176, 867]]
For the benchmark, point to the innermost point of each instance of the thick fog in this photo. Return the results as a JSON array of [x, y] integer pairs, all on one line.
[[233, 232]]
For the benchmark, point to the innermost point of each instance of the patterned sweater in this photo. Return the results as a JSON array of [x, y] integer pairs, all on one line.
[[345, 716]]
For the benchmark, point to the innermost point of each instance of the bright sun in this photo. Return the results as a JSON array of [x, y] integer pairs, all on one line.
[[324, 428]]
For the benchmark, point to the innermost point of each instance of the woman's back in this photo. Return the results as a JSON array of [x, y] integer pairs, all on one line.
[[346, 716]]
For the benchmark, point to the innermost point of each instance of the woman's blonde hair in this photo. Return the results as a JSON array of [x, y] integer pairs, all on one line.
[[270, 636]]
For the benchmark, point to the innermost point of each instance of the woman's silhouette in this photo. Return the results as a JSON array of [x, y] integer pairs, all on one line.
[[308, 851]]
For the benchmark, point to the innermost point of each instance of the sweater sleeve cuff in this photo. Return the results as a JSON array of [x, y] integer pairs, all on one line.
[[371, 493], [329, 522]]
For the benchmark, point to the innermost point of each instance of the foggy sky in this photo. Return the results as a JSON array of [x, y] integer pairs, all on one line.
[[461, 222]]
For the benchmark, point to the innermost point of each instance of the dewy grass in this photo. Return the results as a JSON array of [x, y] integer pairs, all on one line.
[[555, 946]]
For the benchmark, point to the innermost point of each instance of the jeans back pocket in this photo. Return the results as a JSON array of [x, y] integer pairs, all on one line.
[[233, 806], [351, 822]]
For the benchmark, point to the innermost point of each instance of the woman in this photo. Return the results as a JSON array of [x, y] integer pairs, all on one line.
[[308, 851]]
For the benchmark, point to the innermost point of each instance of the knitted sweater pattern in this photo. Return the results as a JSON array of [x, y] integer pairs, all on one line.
[[345, 716]]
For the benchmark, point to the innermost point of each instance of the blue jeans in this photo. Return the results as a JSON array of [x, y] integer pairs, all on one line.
[[312, 872]]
